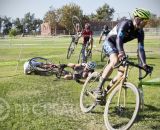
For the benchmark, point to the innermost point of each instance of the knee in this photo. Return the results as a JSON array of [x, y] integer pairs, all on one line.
[[113, 62]]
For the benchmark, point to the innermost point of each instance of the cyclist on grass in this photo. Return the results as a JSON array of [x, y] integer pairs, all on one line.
[[81, 71], [123, 32], [104, 33], [29, 70], [87, 35]]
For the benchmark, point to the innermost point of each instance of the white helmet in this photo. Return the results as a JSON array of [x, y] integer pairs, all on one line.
[[91, 65]]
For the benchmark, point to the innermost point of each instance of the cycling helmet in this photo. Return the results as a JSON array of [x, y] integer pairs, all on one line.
[[105, 27], [91, 65], [141, 13]]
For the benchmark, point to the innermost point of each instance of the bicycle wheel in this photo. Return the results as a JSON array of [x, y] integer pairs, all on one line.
[[80, 57], [120, 116], [89, 55], [70, 49], [87, 97], [36, 62], [103, 55]]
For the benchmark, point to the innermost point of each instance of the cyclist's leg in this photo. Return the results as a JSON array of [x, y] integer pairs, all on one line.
[[119, 74], [68, 77], [113, 57], [83, 53]]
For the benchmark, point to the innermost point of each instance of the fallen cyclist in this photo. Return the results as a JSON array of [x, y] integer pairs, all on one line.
[[81, 71], [38, 66], [41, 67]]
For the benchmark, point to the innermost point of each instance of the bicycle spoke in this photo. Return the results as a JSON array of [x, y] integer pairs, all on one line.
[[70, 49], [88, 98]]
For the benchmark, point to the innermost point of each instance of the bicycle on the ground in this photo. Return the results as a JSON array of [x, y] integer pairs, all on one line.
[[46, 67], [123, 98], [85, 53]]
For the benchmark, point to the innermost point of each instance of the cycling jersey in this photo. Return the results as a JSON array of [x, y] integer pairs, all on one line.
[[105, 32], [86, 35], [122, 33]]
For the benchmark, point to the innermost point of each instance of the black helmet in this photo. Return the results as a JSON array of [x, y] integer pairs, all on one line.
[[105, 27]]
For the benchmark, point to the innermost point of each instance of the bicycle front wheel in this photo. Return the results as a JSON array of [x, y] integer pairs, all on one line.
[[122, 107], [70, 49], [87, 97]]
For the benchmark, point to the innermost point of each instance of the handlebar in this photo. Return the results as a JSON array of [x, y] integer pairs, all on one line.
[[148, 70]]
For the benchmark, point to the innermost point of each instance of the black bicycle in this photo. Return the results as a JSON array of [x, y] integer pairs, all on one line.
[[43, 66], [72, 45], [87, 56]]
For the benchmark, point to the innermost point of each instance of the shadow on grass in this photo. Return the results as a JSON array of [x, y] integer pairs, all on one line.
[[150, 113], [97, 112]]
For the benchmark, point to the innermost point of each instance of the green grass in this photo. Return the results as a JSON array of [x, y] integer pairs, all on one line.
[[47, 103]]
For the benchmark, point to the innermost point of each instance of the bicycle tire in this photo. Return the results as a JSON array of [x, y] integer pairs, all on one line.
[[87, 104], [80, 57], [42, 60], [103, 55], [121, 111], [70, 49], [89, 55]]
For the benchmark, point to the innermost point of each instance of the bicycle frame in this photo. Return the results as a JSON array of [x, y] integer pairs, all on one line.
[[119, 83]]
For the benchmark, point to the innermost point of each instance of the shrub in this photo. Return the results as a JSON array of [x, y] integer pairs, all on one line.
[[12, 32]]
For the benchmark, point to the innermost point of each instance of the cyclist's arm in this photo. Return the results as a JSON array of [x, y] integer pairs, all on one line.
[[121, 32], [141, 51], [119, 41], [72, 65]]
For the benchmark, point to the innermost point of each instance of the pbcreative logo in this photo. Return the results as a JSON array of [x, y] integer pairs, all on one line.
[[4, 109]]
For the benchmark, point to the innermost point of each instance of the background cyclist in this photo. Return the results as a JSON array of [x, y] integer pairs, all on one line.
[[104, 33], [87, 35], [123, 32]]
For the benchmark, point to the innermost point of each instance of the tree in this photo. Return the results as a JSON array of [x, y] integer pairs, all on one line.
[[12, 32], [18, 25], [52, 17], [28, 22], [7, 25], [104, 13], [36, 25], [67, 12]]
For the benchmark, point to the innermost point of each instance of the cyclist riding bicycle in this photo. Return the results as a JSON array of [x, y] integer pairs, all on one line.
[[81, 71], [104, 33], [87, 35], [123, 32]]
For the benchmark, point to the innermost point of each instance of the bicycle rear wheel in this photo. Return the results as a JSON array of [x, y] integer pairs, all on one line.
[[80, 57], [40, 61], [70, 49], [87, 97], [103, 55], [89, 55], [121, 116]]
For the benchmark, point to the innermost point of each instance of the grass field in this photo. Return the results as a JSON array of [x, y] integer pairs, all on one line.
[[46, 103]]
